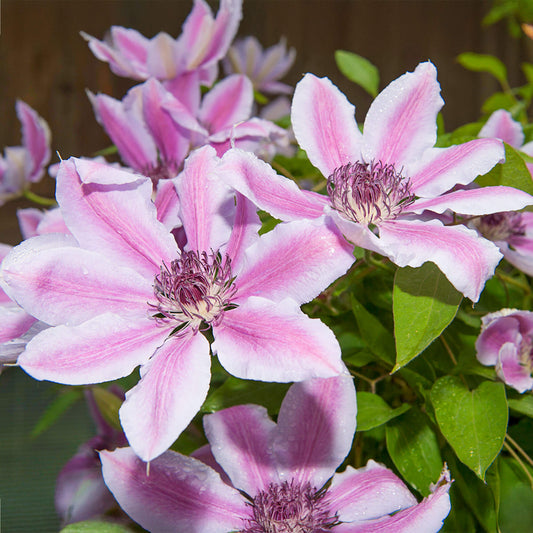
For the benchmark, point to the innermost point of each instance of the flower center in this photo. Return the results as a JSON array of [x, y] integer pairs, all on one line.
[[290, 508], [196, 289], [162, 171], [500, 226], [369, 193]]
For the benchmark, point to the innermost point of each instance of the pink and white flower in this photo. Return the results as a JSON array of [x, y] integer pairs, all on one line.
[[264, 67], [203, 42], [506, 342], [256, 475], [23, 165], [120, 293], [381, 181]]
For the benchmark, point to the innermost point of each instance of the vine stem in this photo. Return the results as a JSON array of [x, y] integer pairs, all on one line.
[[41, 200], [508, 279], [519, 448], [509, 448]]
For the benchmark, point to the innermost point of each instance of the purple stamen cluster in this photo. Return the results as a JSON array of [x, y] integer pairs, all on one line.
[[290, 507], [196, 289], [368, 193], [501, 226]]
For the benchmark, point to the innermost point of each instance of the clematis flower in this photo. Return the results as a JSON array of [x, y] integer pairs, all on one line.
[[264, 67], [120, 293], [380, 182], [203, 42], [501, 125], [274, 476], [22, 165], [81, 493], [506, 342]]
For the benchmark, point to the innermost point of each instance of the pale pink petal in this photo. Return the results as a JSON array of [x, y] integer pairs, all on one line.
[[186, 89], [277, 195], [15, 321], [167, 204], [204, 454], [520, 256], [368, 493], [195, 35], [511, 370], [244, 233], [104, 348], [297, 260], [182, 116], [162, 60], [501, 125], [135, 144], [240, 439], [425, 517], [466, 259], [324, 124], [401, 122], [29, 219], [132, 46], [36, 140], [482, 201], [10, 350], [496, 333], [177, 493], [268, 341], [316, 425], [440, 169], [204, 201], [173, 146], [59, 283], [111, 211], [173, 386], [228, 103]]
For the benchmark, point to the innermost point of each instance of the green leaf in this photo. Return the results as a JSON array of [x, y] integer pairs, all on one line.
[[498, 101], [58, 407], [239, 391], [424, 303], [260, 98], [110, 150], [523, 405], [527, 69], [414, 450], [484, 63], [93, 526], [473, 422], [359, 70], [108, 404], [373, 411], [377, 337], [512, 173]]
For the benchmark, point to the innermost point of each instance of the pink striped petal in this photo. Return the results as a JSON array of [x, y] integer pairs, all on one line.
[[425, 517], [277, 195], [181, 115], [177, 493], [502, 126], [511, 369], [297, 260], [228, 103], [268, 341], [162, 60], [173, 146], [15, 321], [466, 259], [520, 256], [205, 202], [316, 425], [497, 330], [324, 124], [368, 493], [240, 439], [111, 211], [245, 231], [29, 219], [482, 201], [401, 122], [173, 387], [167, 204], [204, 454], [104, 348], [440, 169], [131, 45], [36, 140], [58, 282], [135, 144]]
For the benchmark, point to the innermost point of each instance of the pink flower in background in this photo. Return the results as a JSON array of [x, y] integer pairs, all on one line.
[[274, 475], [264, 67], [23, 165], [119, 293], [203, 42], [381, 181], [81, 493], [506, 342], [501, 125]]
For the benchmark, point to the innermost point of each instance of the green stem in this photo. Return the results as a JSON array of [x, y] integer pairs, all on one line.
[[519, 448], [41, 200], [508, 447], [282, 170], [512, 281]]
